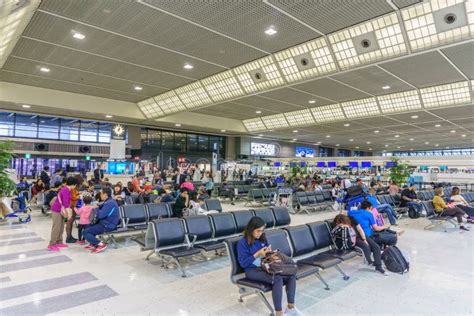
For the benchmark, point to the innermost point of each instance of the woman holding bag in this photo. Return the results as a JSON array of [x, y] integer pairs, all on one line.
[[60, 209]]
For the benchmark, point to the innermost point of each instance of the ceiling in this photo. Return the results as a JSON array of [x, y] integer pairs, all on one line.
[[146, 43]]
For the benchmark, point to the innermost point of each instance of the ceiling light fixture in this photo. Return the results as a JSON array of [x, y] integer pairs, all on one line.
[[312, 101], [356, 147], [351, 140], [295, 131], [79, 36], [414, 116], [347, 125], [447, 147], [138, 88], [376, 132], [108, 116], [438, 125], [26, 106], [436, 145], [397, 136], [258, 112], [453, 131], [386, 145], [386, 87], [370, 148], [427, 143], [399, 147], [328, 136], [337, 145], [260, 135], [271, 31], [223, 130], [188, 66], [412, 139], [411, 148], [368, 143], [44, 69], [177, 125], [294, 139], [463, 135]]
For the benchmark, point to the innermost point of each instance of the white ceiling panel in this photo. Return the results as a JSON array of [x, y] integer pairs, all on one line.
[[461, 56], [295, 97], [330, 89]]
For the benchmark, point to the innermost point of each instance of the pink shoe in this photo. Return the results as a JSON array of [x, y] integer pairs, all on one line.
[[80, 242], [61, 246], [90, 246], [53, 248]]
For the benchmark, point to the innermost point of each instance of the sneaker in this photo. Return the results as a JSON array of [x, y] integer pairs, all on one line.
[[101, 247], [53, 248], [293, 312], [71, 240], [463, 228], [80, 242], [90, 246], [61, 246], [232, 203], [381, 270]]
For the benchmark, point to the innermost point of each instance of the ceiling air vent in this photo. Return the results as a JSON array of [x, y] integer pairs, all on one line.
[[258, 75], [365, 43], [450, 18], [304, 61]]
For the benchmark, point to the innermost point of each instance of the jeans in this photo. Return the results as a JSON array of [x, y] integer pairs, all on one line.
[[468, 209], [386, 208], [92, 231], [367, 249], [418, 206], [80, 229], [454, 212], [277, 282]]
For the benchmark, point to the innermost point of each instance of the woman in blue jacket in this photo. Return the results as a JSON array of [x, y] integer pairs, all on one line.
[[251, 248]]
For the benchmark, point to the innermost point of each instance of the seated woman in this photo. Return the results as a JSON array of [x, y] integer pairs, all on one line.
[[443, 209], [251, 248], [461, 202], [119, 195]]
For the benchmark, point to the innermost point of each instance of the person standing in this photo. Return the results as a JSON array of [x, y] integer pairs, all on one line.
[[45, 177]]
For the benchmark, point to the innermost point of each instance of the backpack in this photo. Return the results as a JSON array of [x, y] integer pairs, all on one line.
[[395, 261], [93, 219], [276, 262], [342, 237], [413, 212]]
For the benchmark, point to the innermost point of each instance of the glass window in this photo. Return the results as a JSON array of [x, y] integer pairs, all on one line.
[[203, 143], [192, 142], [144, 136], [7, 124], [26, 126], [69, 130], [180, 141], [154, 138], [104, 132], [167, 140], [48, 127], [88, 131]]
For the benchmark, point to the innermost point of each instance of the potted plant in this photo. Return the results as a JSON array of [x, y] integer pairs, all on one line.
[[399, 172], [7, 185]]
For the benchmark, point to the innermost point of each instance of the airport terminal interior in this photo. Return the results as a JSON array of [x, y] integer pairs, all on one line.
[[245, 157]]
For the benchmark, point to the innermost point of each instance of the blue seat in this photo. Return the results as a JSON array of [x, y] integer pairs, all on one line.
[[135, 216], [158, 210], [200, 229], [267, 215], [282, 216], [213, 205], [223, 225], [241, 219]]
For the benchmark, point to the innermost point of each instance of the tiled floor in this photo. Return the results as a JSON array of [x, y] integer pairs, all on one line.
[[121, 282]]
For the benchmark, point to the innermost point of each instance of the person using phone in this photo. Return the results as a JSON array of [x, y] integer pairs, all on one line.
[[251, 249]]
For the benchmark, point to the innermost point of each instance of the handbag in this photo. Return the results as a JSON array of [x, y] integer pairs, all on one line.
[[276, 262], [66, 212]]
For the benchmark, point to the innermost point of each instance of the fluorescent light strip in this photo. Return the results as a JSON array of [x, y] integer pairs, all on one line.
[[150, 108], [320, 53], [360, 108], [446, 95], [254, 124], [421, 29], [169, 103], [223, 86], [275, 121], [399, 102], [269, 69], [328, 113], [193, 95], [389, 39], [300, 117]]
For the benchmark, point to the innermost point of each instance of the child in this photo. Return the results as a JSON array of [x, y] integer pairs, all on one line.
[[84, 212]]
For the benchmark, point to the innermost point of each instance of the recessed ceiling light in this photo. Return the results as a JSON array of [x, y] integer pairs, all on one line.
[[295, 131], [447, 147], [351, 140], [357, 147], [271, 31], [453, 131], [44, 69], [427, 143], [294, 139], [412, 139], [337, 145], [386, 87], [399, 147], [188, 66], [260, 135], [370, 148], [411, 148], [414, 116], [79, 36], [258, 112], [26, 106], [347, 125], [436, 145], [463, 135], [138, 88], [328, 136], [312, 101], [368, 143], [386, 145], [438, 125], [42, 121], [396, 136], [177, 125], [223, 130], [108, 116], [319, 142], [376, 132], [316, 144]]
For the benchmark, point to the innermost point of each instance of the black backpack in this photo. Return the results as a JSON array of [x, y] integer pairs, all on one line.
[[394, 260], [413, 212]]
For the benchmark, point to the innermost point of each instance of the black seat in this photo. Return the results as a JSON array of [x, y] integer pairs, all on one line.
[[135, 216], [200, 229], [435, 218], [237, 276], [171, 240], [224, 225], [213, 205], [267, 215], [282, 216], [327, 195], [322, 239], [158, 210], [241, 219]]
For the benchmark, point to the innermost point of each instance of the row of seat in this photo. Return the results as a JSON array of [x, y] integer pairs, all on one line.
[[314, 200], [310, 245], [175, 238], [260, 196]]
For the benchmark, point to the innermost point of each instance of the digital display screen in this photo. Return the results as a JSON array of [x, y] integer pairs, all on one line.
[[304, 152], [332, 164], [276, 164], [353, 164], [321, 164], [260, 149], [303, 164], [292, 164], [120, 168], [366, 164], [390, 164]]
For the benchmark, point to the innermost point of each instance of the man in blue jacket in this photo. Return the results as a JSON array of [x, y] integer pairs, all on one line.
[[108, 216]]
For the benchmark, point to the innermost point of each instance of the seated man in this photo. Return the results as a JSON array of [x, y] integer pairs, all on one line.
[[366, 220], [382, 208], [108, 218], [182, 202], [409, 199]]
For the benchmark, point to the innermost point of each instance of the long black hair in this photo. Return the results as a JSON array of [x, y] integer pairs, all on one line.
[[253, 224]]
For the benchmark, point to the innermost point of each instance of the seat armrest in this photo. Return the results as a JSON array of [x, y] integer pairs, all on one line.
[[190, 243]]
